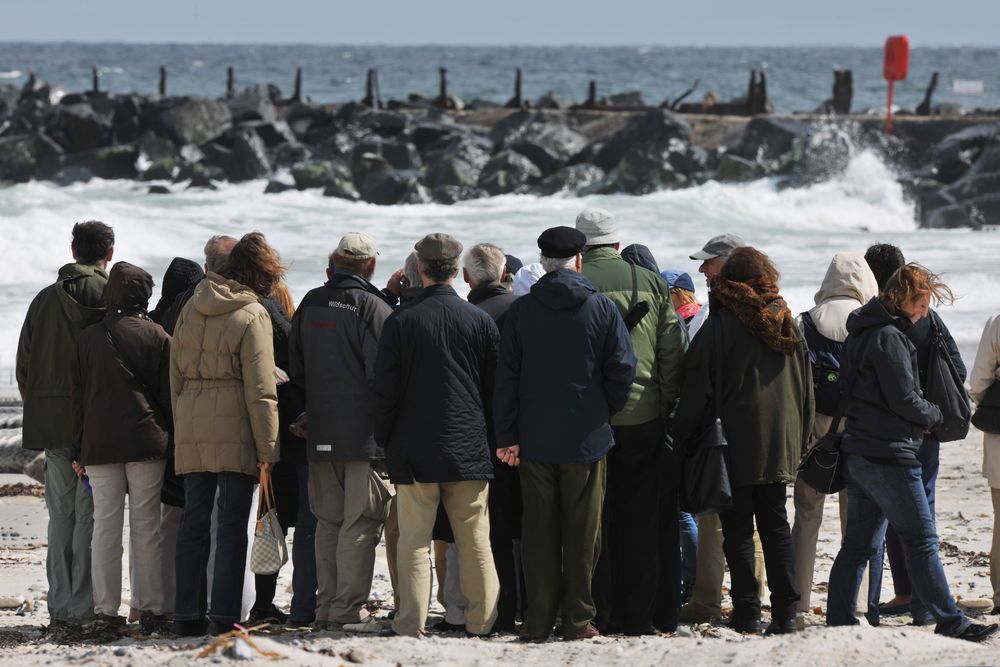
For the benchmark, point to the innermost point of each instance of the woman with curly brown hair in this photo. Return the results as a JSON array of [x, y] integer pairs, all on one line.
[[764, 398], [886, 420], [224, 398]]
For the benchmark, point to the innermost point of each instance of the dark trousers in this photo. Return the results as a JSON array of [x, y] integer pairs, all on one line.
[[625, 583], [303, 548], [561, 537], [505, 527], [766, 503], [668, 586], [194, 540], [929, 456]]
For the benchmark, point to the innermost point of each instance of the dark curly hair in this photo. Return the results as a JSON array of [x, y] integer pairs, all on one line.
[[884, 260], [92, 240]]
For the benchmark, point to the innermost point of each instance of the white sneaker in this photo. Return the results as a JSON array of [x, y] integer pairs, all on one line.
[[370, 625]]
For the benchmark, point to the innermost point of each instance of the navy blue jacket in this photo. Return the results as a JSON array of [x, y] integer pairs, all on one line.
[[565, 366], [887, 414], [920, 334], [434, 387]]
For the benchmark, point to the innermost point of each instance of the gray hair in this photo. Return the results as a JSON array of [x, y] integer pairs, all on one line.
[[411, 272], [217, 251], [485, 263], [551, 264]]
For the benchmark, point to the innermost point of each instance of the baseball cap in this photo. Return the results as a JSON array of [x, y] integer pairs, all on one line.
[[719, 246], [357, 245]]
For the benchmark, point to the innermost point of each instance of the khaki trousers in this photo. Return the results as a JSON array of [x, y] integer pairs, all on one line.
[[710, 570], [465, 503], [170, 522], [995, 550], [347, 532], [142, 482], [391, 548]]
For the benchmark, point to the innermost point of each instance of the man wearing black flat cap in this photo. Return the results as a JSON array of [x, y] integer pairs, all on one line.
[[433, 389], [565, 366]]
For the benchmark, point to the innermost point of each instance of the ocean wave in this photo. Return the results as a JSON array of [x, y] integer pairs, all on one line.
[[10, 74]]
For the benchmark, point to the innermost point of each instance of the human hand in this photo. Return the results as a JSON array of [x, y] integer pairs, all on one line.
[[298, 427], [510, 455], [264, 466], [80, 471], [397, 281]]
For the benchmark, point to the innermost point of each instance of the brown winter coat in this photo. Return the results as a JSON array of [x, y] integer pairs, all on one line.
[[120, 394], [222, 381]]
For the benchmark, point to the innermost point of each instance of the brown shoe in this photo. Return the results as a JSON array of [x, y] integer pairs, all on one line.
[[532, 639], [588, 632]]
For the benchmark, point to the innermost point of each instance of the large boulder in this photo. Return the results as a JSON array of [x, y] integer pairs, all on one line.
[[400, 155], [108, 162], [379, 183], [506, 172], [250, 159], [984, 210], [656, 126], [331, 175], [254, 103], [17, 158], [574, 179], [554, 101], [82, 127], [957, 152], [642, 171], [384, 123], [127, 119], [735, 169], [460, 164], [452, 194], [548, 146], [983, 177], [290, 154], [628, 100], [70, 175], [190, 120], [772, 142]]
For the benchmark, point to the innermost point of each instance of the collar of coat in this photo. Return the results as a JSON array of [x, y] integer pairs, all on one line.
[[484, 292], [435, 290], [346, 280], [603, 253]]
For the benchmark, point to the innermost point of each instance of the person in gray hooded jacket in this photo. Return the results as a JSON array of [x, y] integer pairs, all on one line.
[[334, 340]]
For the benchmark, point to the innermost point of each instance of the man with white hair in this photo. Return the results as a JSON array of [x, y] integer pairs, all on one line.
[[565, 366]]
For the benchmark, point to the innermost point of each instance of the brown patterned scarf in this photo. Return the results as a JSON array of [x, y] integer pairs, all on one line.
[[760, 308]]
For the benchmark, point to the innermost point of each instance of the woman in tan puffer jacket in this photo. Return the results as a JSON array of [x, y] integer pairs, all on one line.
[[224, 398]]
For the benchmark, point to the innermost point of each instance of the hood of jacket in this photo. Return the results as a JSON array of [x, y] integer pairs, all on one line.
[[218, 296], [874, 314], [848, 285], [640, 255], [128, 290], [562, 289], [74, 280], [181, 274]]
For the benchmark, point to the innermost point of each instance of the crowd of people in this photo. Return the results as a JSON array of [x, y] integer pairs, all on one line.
[[525, 444]]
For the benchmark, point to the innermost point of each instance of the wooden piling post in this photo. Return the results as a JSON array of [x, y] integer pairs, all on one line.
[[297, 95], [95, 79], [163, 81], [761, 98], [591, 102], [843, 91], [517, 101], [229, 81], [924, 108], [369, 99], [442, 99]]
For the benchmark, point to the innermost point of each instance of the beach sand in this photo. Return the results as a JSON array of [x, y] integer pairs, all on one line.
[[964, 524]]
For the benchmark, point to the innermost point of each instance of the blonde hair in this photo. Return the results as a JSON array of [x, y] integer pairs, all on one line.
[[684, 296], [912, 282], [283, 296]]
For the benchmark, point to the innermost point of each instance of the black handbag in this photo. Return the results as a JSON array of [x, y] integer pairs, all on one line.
[[945, 389], [705, 486], [987, 415], [820, 467]]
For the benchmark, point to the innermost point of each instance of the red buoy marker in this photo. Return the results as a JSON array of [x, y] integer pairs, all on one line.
[[895, 67]]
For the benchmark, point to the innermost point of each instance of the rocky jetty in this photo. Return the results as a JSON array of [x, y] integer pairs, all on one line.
[[423, 154]]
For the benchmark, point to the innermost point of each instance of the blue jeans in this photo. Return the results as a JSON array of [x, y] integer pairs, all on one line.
[[304, 553], [689, 554], [193, 542], [877, 492], [930, 463]]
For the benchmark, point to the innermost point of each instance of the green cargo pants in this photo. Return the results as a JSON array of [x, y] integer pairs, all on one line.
[[71, 526], [560, 542]]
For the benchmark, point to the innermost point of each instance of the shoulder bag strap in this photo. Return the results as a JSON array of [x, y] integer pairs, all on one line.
[[845, 396], [127, 363], [635, 288], [717, 345]]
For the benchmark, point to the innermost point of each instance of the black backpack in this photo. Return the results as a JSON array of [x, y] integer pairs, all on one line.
[[945, 389], [824, 355]]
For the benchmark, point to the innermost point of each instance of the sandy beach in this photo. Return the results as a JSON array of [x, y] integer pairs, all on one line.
[[964, 524]]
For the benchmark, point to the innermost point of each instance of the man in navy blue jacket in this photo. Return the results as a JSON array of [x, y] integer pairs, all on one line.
[[565, 365]]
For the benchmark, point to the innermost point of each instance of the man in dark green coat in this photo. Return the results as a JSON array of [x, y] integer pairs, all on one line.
[[637, 583], [48, 340]]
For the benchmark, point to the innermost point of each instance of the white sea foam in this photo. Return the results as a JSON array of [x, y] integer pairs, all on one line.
[[799, 228], [10, 74]]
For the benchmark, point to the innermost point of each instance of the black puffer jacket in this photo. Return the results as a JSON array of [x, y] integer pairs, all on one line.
[[121, 380], [334, 341], [887, 413], [566, 365], [180, 276], [434, 387], [494, 299]]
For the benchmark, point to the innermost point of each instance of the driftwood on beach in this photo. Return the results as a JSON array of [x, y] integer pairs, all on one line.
[[436, 149]]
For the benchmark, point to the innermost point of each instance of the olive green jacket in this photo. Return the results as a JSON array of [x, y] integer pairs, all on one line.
[[48, 342], [659, 340]]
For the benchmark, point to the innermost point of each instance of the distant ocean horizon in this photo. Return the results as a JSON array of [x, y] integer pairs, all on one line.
[[799, 78]]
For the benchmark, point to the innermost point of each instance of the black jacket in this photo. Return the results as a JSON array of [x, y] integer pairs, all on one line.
[[920, 335], [121, 379], [887, 414], [291, 398], [180, 276], [566, 365], [494, 299], [334, 340], [434, 388]]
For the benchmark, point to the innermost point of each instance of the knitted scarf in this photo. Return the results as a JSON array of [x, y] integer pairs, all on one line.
[[760, 308]]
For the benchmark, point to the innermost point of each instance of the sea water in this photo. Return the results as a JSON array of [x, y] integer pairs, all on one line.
[[800, 229]]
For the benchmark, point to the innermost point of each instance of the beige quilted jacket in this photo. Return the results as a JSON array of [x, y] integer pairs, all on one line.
[[222, 384]]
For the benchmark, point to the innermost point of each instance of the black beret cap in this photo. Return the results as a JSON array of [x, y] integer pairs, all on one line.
[[561, 242], [438, 246]]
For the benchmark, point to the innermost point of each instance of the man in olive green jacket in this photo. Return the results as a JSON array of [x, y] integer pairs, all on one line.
[[48, 342], [637, 583]]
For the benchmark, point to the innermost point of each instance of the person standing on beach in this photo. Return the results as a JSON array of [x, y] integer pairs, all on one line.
[[566, 365], [886, 420], [985, 372], [55, 319], [122, 421], [333, 345], [641, 470], [849, 284], [433, 390], [225, 405]]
